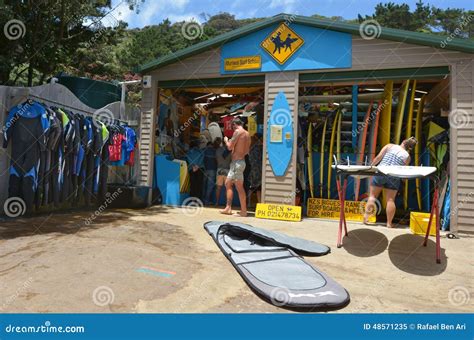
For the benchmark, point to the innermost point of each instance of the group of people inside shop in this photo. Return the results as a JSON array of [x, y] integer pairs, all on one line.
[[227, 162]]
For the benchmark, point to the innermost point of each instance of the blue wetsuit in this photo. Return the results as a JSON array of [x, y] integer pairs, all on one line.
[[26, 126]]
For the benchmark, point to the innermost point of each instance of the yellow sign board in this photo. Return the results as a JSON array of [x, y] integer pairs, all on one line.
[[243, 63], [330, 209], [282, 43], [278, 212]]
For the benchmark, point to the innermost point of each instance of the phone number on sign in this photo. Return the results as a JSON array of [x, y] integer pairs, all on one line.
[[385, 326]]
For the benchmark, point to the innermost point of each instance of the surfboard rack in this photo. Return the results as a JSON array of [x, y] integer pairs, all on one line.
[[344, 171]]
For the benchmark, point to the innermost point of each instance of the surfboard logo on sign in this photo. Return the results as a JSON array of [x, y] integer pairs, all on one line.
[[282, 43]]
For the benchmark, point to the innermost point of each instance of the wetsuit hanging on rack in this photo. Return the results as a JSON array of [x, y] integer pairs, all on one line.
[[88, 166], [26, 127], [104, 169], [97, 149], [56, 171], [44, 175]]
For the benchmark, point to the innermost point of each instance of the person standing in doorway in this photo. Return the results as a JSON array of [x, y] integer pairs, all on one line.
[[210, 167], [223, 158], [239, 146], [391, 154], [195, 159], [255, 158]]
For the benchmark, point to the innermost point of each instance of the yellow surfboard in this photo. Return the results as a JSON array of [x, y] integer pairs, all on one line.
[[321, 162], [402, 100], [309, 147], [418, 122], [252, 125], [386, 115], [338, 137], [331, 149], [408, 129], [432, 130]]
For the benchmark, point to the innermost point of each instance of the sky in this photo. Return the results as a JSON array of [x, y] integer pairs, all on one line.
[[155, 11]]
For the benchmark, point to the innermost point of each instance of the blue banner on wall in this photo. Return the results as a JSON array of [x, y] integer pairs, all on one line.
[[283, 47], [231, 326]]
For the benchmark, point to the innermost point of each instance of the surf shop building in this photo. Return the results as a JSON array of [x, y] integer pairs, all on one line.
[[312, 89]]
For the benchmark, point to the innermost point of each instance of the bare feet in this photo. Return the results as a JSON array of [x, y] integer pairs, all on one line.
[[226, 211], [366, 220], [241, 214], [389, 225]]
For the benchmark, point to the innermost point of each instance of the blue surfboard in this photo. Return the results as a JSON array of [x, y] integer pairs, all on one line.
[[425, 183], [446, 211], [280, 135]]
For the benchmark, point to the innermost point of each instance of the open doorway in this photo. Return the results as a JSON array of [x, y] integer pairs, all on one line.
[[351, 122], [192, 123]]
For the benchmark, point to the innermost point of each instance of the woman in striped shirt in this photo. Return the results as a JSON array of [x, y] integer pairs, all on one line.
[[391, 154]]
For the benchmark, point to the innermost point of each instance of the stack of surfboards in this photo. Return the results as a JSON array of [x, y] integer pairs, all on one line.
[[389, 116]]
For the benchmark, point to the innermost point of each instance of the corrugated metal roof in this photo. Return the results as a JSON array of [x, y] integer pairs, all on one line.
[[437, 41]]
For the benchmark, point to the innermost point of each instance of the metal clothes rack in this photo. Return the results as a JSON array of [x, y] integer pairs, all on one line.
[[130, 171], [72, 108]]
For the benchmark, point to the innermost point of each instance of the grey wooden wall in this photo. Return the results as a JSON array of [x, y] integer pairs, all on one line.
[[147, 135], [280, 189], [462, 145]]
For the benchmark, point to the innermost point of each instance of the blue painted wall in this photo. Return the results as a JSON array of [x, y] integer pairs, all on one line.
[[322, 49]]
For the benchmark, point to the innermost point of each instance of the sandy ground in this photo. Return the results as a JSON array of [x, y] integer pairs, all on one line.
[[56, 263]]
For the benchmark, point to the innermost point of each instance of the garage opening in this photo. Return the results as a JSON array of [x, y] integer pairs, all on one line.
[[353, 120], [191, 162]]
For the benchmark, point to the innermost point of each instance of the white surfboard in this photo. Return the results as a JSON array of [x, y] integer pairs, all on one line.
[[353, 170], [404, 171]]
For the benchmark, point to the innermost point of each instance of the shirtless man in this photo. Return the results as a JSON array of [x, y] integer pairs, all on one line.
[[239, 145]]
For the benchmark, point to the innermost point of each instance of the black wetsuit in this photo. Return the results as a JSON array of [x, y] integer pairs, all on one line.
[[26, 127], [50, 171]]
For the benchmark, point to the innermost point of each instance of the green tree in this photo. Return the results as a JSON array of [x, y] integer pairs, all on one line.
[[151, 42], [399, 16], [50, 33], [454, 21], [223, 22]]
